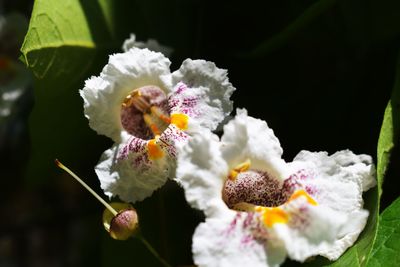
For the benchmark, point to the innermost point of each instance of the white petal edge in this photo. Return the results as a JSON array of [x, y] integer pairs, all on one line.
[[356, 223], [124, 180], [246, 137], [104, 94], [212, 83], [151, 44], [201, 171], [214, 247], [340, 180], [344, 165], [321, 228]]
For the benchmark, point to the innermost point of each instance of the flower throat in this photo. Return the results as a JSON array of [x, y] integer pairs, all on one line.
[[144, 112]]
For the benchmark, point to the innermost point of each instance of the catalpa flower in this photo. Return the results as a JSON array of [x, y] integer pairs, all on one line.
[[260, 209], [146, 110]]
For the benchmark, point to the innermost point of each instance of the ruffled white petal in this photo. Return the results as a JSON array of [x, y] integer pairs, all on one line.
[[349, 234], [133, 178], [151, 44], [338, 182], [249, 138], [207, 84], [310, 230], [344, 165], [227, 242], [201, 171], [103, 95]]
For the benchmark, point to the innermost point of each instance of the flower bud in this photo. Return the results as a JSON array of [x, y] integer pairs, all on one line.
[[123, 225]]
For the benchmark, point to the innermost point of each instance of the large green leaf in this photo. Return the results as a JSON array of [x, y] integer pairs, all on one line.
[[65, 42], [388, 139], [386, 251], [62, 38]]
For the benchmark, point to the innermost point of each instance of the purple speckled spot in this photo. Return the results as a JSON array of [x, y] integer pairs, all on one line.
[[132, 118], [232, 225], [249, 224], [135, 145], [300, 219], [168, 138], [181, 88], [300, 179], [255, 187], [183, 101], [247, 240], [135, 151]]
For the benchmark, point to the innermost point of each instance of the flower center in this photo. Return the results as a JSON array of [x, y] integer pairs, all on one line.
[[145, 113], [254, 187], [251, 190], [245, 188]]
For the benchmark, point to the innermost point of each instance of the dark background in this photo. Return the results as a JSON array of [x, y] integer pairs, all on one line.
[[322, 85]]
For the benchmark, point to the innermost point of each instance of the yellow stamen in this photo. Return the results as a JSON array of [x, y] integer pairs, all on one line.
[[136, 99], [160, 114], [151, 124], [271, 216], [180, 120], [242, 167], [154, 150], [302, 193]]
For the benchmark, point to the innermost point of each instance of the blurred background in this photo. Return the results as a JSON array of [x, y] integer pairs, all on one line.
[[319, 72]]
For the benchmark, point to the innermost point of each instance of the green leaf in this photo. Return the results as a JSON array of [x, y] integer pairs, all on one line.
[[307, 17], [386, 251], [350, 258], [60, 42], [65, 43], [388, 139]]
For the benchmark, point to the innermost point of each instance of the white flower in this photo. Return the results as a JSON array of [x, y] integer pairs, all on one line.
[[260, 209], [146, 109], [151, 44]]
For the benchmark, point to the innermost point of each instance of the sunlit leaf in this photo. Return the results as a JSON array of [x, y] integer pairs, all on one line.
[[62, 41], [65, 41]]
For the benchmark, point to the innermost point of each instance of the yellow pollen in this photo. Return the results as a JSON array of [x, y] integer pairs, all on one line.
[[242, 167], [180, 120], [302, 193], [271, 216], [154, 150]]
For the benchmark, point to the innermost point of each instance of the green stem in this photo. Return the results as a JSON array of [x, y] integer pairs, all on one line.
[[153, 251]]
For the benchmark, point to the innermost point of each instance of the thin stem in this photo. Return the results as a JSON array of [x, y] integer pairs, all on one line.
[[153, 251], [111, 209]]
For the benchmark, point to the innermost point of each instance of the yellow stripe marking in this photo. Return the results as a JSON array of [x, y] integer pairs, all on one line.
[[154, 150], [271, 216], [180, 120], [242, 167], [302, 193]]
